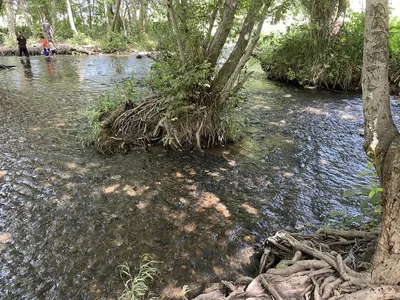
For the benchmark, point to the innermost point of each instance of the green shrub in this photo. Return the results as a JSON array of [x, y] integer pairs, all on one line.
[[114, 42], [394, 39], [334, 62], [80, 39], [104, 105], [62, 31]]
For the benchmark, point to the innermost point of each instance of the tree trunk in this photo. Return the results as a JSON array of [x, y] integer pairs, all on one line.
[[53, 14], [22, 6], [116, 21], [382, 139], [133, 17], [106, 11], [142, 16], [175, 28], [10, 20], [245, 58], [240, 48], [90, 17], [219, 39], [212, 20], [71, 17]]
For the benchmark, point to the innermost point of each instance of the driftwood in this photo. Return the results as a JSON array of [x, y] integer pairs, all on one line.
[[6, 67], [61, 49], [74, 50], [327, 265]]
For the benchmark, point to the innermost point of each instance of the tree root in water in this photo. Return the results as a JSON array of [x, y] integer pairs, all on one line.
[[148, 122], [327, 265]]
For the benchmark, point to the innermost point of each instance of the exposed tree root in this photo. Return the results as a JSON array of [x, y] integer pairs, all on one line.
[[146, 123], [321, 266], [6, 67]]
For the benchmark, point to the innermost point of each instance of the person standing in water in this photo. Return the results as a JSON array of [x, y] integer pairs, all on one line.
[[49, 32], [45, 46], [22, 45]]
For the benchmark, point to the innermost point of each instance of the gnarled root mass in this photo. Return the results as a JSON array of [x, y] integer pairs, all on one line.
[[141, 125], [325, 265]]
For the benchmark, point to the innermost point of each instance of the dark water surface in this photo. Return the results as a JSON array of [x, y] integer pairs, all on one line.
[[69, 216]]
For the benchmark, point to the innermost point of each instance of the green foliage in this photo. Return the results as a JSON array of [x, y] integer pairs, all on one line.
[[394, 39], [63, 31], [3, 36], [137, 287], [104, 105], [143, 42], [80, 39], [370, 211], [114, 42], [333, 62], [177, 83]]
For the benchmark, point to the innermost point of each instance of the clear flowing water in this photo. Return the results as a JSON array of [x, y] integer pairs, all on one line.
[[69, 216]]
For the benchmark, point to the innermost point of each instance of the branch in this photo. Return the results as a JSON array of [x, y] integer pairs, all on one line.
[[224, 27], [250, 47], [212, 20], [238, 51], [350, 234], [299, 266], [176, 30], [382, 292], [270, 288]]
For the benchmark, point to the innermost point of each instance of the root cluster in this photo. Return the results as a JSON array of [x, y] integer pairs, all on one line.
[[186, 127], [331, 264]]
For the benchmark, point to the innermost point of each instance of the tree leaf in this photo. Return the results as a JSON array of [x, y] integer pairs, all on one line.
[[336, 213], [348, 193]]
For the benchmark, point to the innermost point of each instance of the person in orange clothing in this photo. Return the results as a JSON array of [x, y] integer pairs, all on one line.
[[45, 45]]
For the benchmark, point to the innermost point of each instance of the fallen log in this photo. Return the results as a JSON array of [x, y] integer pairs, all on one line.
[[61, 50], [6, 67]]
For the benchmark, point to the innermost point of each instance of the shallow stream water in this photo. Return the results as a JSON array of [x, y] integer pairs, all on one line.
[[69, 216]]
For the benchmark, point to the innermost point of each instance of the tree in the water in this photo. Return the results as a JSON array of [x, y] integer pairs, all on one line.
[[382, 140], [192, 84]]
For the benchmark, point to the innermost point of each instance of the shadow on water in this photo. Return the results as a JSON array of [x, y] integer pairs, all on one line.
[[69, 216]]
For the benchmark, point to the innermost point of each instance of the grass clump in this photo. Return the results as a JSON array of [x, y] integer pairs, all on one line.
[[101, 109], [137, 287]]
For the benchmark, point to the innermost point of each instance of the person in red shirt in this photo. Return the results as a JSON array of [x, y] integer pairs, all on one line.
[[45, 45]]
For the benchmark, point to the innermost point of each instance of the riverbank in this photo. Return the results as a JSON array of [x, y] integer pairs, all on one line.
[[62, 49], [66, 49], [394, 83]]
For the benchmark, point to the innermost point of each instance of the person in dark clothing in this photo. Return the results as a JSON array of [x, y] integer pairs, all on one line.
[[22, 45]]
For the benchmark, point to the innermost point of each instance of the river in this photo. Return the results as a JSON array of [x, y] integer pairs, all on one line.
[[69, 215]]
